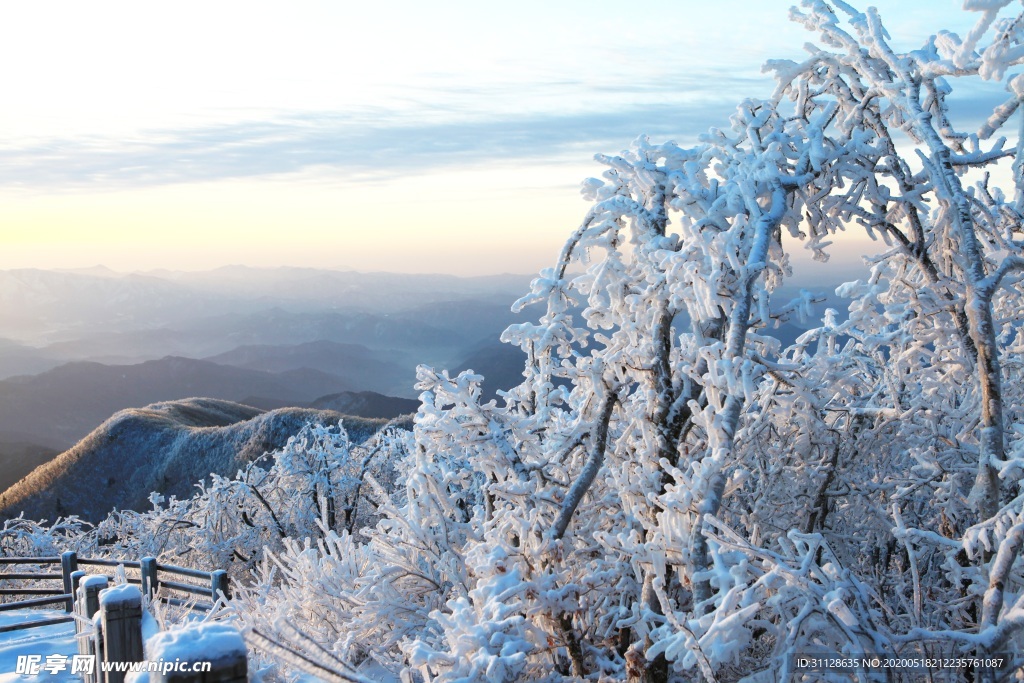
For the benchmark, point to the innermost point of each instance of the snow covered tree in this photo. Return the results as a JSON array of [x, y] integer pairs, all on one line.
[[663, 479]]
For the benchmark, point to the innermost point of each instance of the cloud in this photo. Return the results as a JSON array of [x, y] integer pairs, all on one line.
[[419, 130], [367, 143]]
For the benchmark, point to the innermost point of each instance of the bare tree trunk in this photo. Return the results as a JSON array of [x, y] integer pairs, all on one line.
[[986, 487], [980, 290], [593, 465]]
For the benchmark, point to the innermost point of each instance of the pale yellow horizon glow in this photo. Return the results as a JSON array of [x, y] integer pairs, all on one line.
[[405, 226], [465, 222]]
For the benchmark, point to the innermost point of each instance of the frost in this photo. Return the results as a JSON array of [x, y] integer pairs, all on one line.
[[203, 641]]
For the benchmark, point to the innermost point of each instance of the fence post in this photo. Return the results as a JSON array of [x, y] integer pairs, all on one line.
[[76, 581], [219, 583], [89, 595], [121, 610], [68, 565], [150, 583], [216, 642], [87, 603]]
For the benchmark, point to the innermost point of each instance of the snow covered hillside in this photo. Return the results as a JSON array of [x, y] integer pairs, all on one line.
[[165, 447]]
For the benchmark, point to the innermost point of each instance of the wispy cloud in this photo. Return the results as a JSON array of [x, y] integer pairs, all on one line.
[[368, 143], [419, 130]]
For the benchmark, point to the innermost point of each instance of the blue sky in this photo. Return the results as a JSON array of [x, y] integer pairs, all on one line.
[[407, 136]]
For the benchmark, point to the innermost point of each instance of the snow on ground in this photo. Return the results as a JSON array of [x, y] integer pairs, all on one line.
[[44, 640], [60, 640]]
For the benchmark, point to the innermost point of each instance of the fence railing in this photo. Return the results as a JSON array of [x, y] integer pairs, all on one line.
[[110, 620], [156, 580]]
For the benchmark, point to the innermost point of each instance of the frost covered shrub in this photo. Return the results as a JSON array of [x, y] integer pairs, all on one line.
[[309, 487], [22, 537]]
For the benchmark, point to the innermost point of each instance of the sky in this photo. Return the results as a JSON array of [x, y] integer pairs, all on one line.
[[403, 136]]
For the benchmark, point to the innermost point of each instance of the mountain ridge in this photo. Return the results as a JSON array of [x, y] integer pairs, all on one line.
[[165, 447]]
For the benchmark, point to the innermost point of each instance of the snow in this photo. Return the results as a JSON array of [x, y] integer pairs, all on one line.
[[209, 641], [116, 596], [44, 640], [984, 5], [150, 627], [94, 580]]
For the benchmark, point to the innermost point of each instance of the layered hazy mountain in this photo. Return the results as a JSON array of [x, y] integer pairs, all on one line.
[[59, 312], [60, 406], [80, 346]]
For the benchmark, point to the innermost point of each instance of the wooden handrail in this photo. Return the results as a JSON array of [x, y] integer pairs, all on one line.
[[7, 628], [108, 562], [188, 588], [31, 576], [35, 602], [29, 560], [184, 571], [30, 591]]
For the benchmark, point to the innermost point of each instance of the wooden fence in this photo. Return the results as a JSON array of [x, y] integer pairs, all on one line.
[[117, 634], [157, 581]]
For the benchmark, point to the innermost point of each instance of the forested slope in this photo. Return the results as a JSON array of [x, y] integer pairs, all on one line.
[[164, 447]]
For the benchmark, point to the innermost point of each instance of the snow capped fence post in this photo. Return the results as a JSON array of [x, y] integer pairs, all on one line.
[[69, 565], [76, 580], [216, 643], [88, 602], [121, 616], [219, 584]]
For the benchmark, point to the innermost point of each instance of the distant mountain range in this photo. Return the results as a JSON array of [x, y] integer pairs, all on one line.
[[19, 359], [80, 345], [366, 404], [354, 364], [165, 447], [500, 364], [58, 407], [44, 307]]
